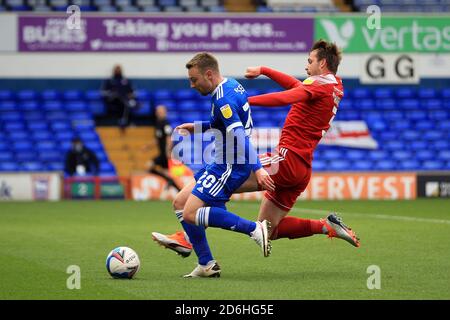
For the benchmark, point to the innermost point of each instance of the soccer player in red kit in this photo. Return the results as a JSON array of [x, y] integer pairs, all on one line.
[[314, 103]]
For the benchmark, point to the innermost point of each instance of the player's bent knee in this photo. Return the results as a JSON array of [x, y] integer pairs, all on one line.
[[189, 216]]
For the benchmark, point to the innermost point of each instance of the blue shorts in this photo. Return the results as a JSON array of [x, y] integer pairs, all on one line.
[[217, 182]]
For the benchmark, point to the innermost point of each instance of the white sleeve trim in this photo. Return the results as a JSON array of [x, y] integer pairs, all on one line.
[[234, 125]]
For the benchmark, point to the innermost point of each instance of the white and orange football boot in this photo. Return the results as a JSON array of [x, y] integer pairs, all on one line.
[[177, 242], [337, 229]]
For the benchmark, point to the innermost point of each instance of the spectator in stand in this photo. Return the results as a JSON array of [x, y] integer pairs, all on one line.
[[118, 96], [80, 160]]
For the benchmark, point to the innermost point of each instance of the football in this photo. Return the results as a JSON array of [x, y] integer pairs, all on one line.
[[123, 263]]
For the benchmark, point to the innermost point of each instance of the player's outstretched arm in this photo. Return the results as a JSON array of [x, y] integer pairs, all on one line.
[[277, 99], [283, 79]]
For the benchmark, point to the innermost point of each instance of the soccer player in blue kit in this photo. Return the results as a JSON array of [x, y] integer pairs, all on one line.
[[235, 159]]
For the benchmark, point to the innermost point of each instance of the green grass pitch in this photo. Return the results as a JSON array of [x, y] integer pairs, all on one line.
[[408, 240]]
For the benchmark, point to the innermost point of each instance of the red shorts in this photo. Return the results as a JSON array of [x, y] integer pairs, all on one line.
[[290, 173]]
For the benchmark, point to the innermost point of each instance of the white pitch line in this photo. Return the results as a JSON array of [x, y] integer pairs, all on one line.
[[368, 215]]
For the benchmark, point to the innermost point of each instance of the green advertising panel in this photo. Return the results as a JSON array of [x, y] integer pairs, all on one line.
[[82, 190], [396, 34], [112, 190]]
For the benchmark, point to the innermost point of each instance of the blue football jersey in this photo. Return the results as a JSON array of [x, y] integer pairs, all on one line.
[[229, 110]]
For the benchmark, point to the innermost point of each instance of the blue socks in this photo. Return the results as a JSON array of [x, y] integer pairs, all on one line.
[[221, 218], [197, 237]]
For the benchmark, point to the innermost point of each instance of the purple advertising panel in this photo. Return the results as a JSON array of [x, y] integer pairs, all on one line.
[[53, 33]]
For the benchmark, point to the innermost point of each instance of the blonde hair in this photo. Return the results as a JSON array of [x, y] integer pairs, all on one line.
[[203, 61]]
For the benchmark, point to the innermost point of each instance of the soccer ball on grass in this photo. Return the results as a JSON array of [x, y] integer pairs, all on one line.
[[123, 263]]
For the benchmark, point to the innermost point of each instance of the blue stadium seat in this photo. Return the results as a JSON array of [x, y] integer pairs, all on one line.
[[410, 135], [339, 165], [431, 104], [32, 166], [445, 93], [332, 154], [27, 95], [6, 94], [55, 166], [37, 126], [9, 166], [427, 93], [418, 145], [443, 125], [402, 155], [362, 93], [400, 124], [425, 155], [378, 125], [393, 115], [97, 108], [51, 156], [394, 145], [405, 93], [438, 114], [188, 105], [6, 156], [363, 165], [409, 165], [25, 156], [28, 106], [383, 93], [18, 135], [64, 135], [11, 116], [378, 155], [92, 95], [385, 165], [409, 104], [41, 135], [434, 135], [143, 95], [346, 104], [76, 106], [14, 126], [416, 115], [433, 165], [319, 165], [386, 104], [34, 116], [424, 125], [72, 95], [444, 155], [162, 94], [61, 126], [52, 105], [364, 104], [355, 155], [8, 105], [185, 94], [46, 145], [50, 95], [145, 109], [191, 117]]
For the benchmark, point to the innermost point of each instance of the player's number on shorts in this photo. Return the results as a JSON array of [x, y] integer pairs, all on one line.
[[206, 180]]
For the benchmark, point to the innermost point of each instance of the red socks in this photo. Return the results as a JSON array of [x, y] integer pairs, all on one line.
[[293, 227]]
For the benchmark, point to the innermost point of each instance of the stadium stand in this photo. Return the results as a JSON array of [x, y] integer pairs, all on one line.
[[307, 6], [411, 126]]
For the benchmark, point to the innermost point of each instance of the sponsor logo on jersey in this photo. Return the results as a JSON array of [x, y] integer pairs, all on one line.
[[226, 111], [200, 189], [308, 81]]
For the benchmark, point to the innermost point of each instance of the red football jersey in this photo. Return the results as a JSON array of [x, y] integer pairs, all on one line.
[[314, 105]]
